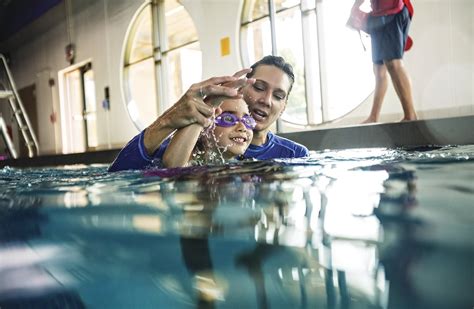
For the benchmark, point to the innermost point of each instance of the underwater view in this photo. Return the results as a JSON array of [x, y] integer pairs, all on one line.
[[359, 228]]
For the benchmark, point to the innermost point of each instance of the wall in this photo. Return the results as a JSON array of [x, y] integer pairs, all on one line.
[[441, 63], [214, 20], [98, 31]]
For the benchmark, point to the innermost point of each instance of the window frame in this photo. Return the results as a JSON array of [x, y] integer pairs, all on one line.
[[319, 105], [160, 55]]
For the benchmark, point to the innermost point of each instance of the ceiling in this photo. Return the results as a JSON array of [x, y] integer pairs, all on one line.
[[15, 14]]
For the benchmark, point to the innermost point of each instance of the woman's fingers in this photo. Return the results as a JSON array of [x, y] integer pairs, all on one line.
[[207, 87], [241, 73], [238, 84], [202, 97], [204, 121], [216, 80], [221, 90], [218, 94], [204, 109], [216, 101]]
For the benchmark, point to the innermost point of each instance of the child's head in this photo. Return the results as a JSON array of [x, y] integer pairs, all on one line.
[[234, 128]]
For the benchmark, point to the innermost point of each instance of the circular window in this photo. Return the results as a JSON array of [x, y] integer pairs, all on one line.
[[332, 64], [153, 74]]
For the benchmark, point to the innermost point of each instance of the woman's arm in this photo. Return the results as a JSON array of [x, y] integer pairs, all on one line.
[[191, 108], [181, 146]]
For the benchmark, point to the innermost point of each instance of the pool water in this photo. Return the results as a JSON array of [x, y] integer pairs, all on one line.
[[363, 228]]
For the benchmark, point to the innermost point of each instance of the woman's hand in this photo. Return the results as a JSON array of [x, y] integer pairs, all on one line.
[[196, 106], [240, 82]]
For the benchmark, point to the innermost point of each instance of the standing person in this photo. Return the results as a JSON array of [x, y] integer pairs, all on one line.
[[388, 25], [228, 137], [265, 90]]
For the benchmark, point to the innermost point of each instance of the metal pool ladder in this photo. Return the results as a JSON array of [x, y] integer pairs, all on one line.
[[8, 91]]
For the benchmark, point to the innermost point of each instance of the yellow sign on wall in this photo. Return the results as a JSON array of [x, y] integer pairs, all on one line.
[[225, 46]]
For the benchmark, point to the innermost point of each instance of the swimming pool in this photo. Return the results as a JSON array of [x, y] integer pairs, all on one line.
[[363, 228]]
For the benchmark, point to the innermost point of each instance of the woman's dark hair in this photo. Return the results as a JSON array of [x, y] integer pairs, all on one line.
[[278, 62]]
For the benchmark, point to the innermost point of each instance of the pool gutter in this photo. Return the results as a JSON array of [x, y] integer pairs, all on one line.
[[446, 131]]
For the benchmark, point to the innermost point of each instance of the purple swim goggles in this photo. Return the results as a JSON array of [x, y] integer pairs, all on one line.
[[227, 119]]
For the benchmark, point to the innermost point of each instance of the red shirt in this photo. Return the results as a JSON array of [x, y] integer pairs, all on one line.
[[386, 7]]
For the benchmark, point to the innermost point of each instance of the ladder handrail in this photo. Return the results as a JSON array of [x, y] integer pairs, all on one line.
[[20, 104], [6, 138]]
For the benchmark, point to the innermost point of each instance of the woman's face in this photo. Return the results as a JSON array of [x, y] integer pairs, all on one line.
[[267, 97], [233, 138]]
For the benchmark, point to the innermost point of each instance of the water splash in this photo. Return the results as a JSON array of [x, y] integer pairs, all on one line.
[[213, 153]]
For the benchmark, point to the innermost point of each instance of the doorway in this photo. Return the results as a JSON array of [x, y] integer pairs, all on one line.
[[78, 108]]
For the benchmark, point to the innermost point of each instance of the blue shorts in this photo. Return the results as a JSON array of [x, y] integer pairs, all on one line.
[[389, 39]]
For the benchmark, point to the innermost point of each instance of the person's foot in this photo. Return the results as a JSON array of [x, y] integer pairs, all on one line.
[[369, 120], [409, 118]]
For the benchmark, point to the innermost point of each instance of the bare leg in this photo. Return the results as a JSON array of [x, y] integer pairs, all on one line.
[[401, 83], [381, 84]]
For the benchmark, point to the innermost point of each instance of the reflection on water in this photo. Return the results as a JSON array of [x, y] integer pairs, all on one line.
[[372, 228]]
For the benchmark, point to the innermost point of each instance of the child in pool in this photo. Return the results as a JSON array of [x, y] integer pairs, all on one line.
[[227, 138]]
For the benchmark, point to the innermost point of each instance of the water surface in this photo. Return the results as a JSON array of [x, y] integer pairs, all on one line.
[[364, 228]]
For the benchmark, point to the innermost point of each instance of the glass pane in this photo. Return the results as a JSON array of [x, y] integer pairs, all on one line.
[[312, 68], [258, 41], [185, 68], [254, 10], [140, 76], [76, 105], [260, 8], [90, 114], [285, 4], [142, 45], [179, 25], [347, 65], [143, 104], [290, 47]]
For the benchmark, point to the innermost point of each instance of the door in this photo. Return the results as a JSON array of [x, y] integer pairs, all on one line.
[[90, 107], [79, 109]]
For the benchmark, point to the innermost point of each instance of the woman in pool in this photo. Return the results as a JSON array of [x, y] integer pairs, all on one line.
[[227, 138]]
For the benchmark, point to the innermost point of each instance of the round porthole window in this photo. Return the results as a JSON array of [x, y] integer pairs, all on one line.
[[153, 75], [326, 55]]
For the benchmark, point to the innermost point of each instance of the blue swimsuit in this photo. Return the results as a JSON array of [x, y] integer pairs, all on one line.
[[134, 155]]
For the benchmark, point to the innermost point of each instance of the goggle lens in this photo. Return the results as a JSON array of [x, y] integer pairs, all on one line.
[[229, 120]]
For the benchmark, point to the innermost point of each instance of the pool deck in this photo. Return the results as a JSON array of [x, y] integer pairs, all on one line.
[[102, 156], [445, 131]]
